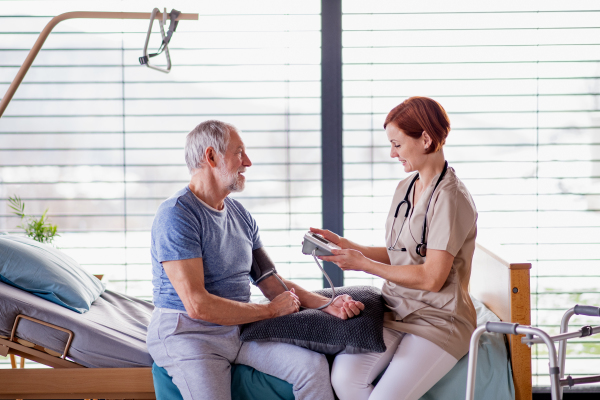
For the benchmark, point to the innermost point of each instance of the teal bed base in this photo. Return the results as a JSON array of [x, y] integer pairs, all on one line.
[[246, 384], [494, 379]]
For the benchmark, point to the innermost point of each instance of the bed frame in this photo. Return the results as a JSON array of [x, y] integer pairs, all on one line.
[[504, 288], [501, 285]]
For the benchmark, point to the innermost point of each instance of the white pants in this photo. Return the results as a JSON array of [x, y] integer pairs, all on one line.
[[415, 365]]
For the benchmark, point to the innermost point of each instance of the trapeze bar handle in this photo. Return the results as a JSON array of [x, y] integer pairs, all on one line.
[[590, 311], [53, 22], [502, 327]]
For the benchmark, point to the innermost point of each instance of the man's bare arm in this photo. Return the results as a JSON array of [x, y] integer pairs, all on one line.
[[187, 277], [271, 288], [343, 307]]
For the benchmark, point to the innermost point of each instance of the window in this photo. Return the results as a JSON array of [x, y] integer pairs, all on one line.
[[520, 85]]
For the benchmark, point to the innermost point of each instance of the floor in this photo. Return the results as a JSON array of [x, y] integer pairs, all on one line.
[[568, 396]]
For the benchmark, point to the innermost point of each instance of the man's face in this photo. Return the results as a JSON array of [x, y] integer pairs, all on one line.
[[233, 163]]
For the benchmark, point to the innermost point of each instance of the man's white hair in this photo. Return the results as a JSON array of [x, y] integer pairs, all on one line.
[[210, 133]]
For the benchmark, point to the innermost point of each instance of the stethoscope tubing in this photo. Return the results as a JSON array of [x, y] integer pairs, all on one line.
[[421, 247]]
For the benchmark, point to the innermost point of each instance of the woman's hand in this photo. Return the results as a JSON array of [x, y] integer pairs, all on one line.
[[332, 237], [348, 259], [344, 307]]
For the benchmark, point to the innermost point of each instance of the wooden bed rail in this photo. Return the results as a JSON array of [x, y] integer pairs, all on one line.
[[83, 383], [35, 354]]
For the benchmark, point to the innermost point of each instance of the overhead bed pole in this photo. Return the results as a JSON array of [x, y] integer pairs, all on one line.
[[62, 17]]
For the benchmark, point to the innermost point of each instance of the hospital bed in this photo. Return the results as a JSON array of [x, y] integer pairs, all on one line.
[[107, 356], [102, 353]]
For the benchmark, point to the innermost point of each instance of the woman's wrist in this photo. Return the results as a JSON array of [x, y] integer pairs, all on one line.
[[344, 243], [376, 268], [369, 266]]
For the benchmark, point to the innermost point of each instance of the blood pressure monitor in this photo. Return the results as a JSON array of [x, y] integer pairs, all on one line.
[[318, 244]]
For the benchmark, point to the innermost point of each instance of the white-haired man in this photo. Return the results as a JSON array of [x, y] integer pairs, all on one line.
[[205, 247]]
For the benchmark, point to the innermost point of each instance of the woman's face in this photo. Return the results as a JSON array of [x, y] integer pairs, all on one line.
[[410, 152]]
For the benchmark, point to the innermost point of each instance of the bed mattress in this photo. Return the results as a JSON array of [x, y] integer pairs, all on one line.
[[111, 335]]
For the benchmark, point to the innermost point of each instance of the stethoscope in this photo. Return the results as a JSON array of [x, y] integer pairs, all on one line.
[[421, 247]]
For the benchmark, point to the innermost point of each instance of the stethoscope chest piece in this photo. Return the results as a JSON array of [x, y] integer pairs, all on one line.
[[422, 249]]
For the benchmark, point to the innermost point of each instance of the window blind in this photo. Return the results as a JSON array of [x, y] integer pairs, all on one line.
[[520, 82], [98, 139]]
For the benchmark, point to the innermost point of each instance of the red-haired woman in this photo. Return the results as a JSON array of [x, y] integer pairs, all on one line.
[[426, 264]]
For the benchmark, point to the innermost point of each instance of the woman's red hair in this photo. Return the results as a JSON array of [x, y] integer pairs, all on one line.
[[417, 114]]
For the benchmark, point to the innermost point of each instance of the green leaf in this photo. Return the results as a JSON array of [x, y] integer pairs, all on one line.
[[17, 205], [37, 229]]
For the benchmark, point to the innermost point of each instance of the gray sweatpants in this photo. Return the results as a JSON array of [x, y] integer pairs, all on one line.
[[198, 355]]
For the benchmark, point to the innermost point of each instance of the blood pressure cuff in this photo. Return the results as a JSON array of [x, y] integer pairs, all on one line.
[[262, 266]]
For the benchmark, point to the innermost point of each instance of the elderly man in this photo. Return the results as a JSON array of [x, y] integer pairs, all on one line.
[[205, 247]]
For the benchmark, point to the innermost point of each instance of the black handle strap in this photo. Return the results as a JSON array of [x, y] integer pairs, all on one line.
[[173, 15]]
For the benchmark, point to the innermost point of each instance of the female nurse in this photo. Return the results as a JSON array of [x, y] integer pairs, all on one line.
[[426, 264]]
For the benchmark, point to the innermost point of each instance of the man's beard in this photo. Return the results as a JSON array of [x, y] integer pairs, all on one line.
[[233, 181]]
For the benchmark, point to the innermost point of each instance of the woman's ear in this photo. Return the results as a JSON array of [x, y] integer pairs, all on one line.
[[426, 140]]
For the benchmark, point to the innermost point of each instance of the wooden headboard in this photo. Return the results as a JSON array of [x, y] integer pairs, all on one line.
[[504, 288]]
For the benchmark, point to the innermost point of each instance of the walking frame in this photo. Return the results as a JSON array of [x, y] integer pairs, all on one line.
[[537, 336]]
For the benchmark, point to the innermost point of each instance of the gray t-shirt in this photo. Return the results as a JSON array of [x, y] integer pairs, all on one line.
[[185, 227]]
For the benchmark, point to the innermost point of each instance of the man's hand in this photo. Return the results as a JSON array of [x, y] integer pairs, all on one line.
[[285, 303], [344, 307]]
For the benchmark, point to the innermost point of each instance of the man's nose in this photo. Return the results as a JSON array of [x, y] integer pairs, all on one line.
[[246, 161]]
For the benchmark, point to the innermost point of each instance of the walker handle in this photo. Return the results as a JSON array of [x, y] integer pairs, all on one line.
[[590, 311], [502, 327]]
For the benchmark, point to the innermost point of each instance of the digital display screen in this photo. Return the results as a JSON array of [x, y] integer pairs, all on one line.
[[321, 239]]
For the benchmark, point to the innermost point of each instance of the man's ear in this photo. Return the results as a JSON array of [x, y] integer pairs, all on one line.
[[426, 140], [210, 156]]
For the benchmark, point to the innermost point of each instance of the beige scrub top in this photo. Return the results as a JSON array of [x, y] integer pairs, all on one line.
[[446, 318]]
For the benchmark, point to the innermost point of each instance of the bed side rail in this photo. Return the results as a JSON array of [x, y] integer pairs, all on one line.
[[37, 321], [36, 353]]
